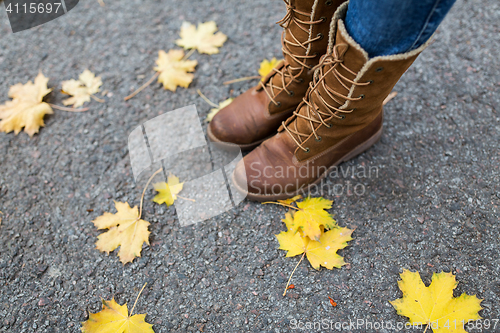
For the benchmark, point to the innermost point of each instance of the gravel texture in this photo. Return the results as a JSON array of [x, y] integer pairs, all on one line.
[[432, 205]]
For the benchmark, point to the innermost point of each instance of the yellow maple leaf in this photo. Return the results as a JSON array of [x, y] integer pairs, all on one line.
[[114, 318], [319, 253], [214, 111], [173, 70], [204, 39], [81, 89], [312, 215], [167, 192], [434, 306], [26, 108], [266, 66], [126, 230]]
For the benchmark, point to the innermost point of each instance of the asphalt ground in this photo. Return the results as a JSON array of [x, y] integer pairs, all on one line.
[[431, 205]]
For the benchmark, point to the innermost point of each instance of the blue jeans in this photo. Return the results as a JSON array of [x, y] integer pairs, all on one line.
[[385, 27]]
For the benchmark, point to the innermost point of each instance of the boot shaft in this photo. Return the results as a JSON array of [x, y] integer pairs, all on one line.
[[300, 29]]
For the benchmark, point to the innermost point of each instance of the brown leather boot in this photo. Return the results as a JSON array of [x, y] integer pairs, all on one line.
[[339, 118], [256, 114]]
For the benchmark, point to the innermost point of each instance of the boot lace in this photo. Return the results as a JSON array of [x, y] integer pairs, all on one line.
[[287, 70], [314, 114]]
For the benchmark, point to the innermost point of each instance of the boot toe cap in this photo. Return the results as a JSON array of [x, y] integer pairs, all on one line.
[[219, 127], [263, 172]]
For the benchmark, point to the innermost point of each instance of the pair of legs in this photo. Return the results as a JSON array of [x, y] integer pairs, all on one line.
[[325, 100]]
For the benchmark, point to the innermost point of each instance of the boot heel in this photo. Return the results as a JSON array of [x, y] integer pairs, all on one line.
[[363, 146]]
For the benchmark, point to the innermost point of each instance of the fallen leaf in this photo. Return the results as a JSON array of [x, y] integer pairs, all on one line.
[[26, 108], [322, 253], [81, 89], [173, 70], [434, 305], [126, 230], [167, 192], [266, 66], [204, 39], [312, 215], [114, 318], [214, 111], [306, 233]]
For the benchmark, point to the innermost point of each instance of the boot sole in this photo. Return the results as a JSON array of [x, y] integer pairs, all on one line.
[[230, 146], [350, 155]]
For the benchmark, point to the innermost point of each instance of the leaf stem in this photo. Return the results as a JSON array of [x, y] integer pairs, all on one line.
[[142, 87], [389, 97], [97, 99], [241, 79], [426, 327], [144, 191], [205, 98], [178, 196], [62, 108], [290, 278], [281, 204], [137, 298], [188, 54]]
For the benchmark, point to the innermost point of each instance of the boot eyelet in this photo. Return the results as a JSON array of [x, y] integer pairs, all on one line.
[[328, 2], [318, 139], [328, 125], [291, 93], [380, 69], [316, 54], [361, 96], [307, 150], [278, 104], [342, 117], [320, 35], [369, 81], [323, 19], [300, 80]]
